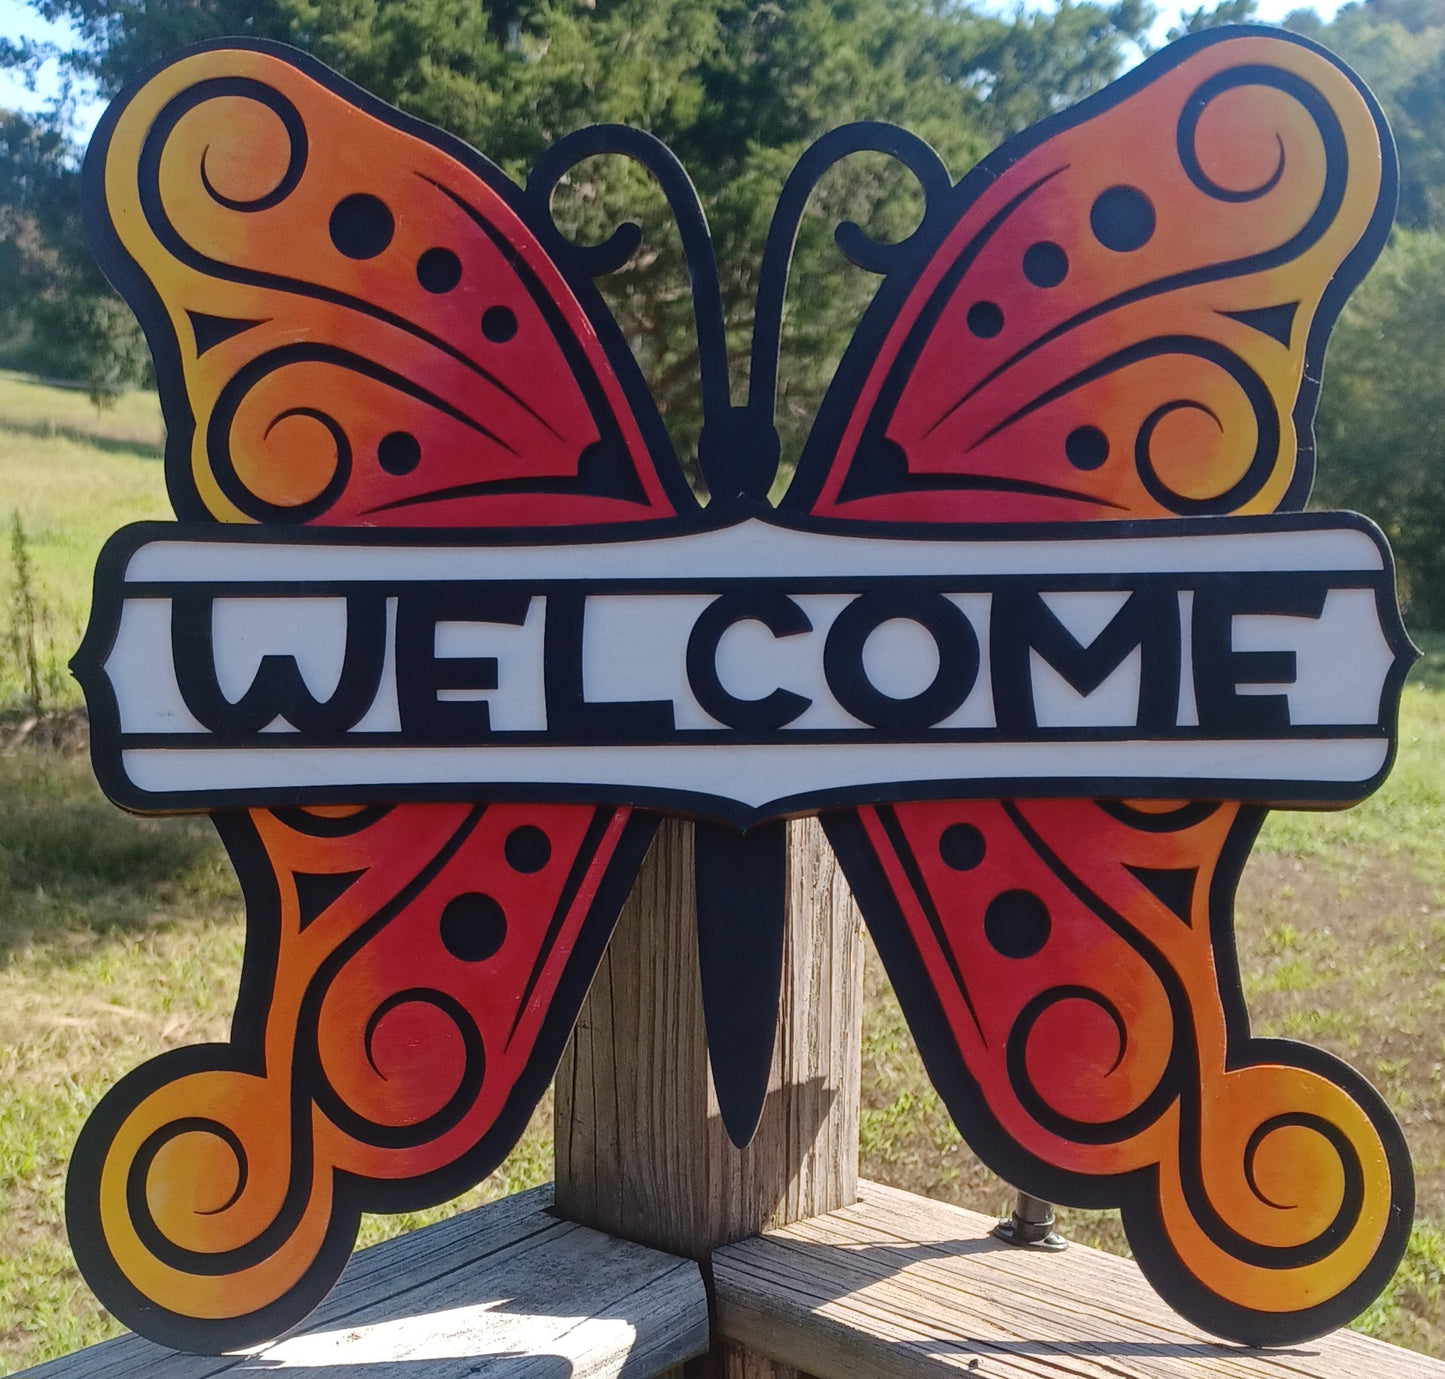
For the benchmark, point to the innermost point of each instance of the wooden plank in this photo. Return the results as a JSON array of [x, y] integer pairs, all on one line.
[[899, 1287], [641, 1150], [508, 1291]]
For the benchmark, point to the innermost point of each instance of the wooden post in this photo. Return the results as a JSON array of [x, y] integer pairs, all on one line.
[[641, 1149]]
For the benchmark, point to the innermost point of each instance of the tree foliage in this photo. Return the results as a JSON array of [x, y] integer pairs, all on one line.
[[736, 87], [1398, 47], [1381, 423], [58, 316]]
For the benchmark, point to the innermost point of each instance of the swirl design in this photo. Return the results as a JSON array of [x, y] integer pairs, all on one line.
[[408, 293], [385, 1055], [1120, 314], [1127, 314], [1065, 1066], [1265, 1188], [1125, 318], [411, 972]]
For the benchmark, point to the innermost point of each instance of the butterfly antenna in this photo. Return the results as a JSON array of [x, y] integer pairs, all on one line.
[[735, 462], [867, 136], [741, 881]]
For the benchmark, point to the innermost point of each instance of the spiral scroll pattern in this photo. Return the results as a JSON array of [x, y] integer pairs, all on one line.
[[1127, 314], [385, 1055], [1125, 319], [1119, 315], [1102, 1057], [378, 340]]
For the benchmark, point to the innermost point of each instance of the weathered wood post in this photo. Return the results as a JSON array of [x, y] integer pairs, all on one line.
[[641, 1150]]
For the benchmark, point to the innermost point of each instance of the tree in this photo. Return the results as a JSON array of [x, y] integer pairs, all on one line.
[[737, 88], [1380, 428], [59, 317], [1398, 47], [1381, 423]]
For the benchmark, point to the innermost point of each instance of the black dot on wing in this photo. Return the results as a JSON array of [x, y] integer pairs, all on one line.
[[961, 846], [527, 849], [1122, 219], [361, 226], [1016, 924], [473, 927], [1086, 447], [985, 319], [1045, 264], [399, 452], [438, 270], [499, 324]]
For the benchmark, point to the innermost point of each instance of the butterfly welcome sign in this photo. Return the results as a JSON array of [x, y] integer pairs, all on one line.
[[1038, 628]]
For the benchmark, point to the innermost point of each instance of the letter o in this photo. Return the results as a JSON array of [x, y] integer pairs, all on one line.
[[958, 659]]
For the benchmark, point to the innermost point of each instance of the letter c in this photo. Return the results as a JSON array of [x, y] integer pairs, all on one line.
[[783, 618]]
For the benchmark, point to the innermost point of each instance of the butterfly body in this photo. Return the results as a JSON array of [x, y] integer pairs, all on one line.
[[359, 323]]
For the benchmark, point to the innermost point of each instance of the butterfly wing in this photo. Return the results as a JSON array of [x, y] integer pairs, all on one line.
[[352, 318], [1126, 309], [353, 324], [1123, 316]]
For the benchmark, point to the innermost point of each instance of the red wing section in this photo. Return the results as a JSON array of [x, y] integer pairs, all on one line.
[[411, 977], [1126, 314], [1067, 968], [1124, 319], [352, 325], [350, 318]]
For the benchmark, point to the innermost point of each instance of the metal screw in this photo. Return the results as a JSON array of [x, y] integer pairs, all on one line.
[[1031, 1225]]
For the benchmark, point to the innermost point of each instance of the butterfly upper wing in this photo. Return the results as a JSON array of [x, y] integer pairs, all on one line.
[[351, 318], [1123, 317], [353, 324], [1126, 309]]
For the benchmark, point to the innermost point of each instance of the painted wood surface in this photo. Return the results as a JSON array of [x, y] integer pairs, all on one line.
[[900, 1287], [508, 1291], [1110, 331]]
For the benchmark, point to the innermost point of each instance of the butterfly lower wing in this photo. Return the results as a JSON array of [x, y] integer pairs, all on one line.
[[353, 324], [411, 977], [1067, 968], [1123, 318]]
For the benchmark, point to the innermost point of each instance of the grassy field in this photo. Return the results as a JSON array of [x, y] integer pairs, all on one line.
[[120, 937], [73, 475]]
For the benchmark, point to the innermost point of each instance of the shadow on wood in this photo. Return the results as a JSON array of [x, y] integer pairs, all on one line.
[[900, 1287], [508, 1291]]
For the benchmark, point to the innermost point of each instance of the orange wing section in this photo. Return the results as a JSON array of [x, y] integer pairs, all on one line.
[[1125, 320], [349, 316], [1126, 317], [352, 326], [411, 976]]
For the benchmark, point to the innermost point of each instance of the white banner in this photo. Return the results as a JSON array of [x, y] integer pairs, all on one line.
[[749, 670]]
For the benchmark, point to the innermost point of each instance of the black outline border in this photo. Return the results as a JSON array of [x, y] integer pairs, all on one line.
[[816, 462], [144, 299], [900, 266], [1135, 1192], [108, 744], [352, 1194]]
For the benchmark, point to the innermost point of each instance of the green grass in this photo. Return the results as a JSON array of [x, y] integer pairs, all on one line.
[[119, 938], [74, 473], [122, 937]]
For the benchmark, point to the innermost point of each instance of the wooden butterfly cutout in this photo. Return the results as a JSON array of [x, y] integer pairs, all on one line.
[[359, 322]]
